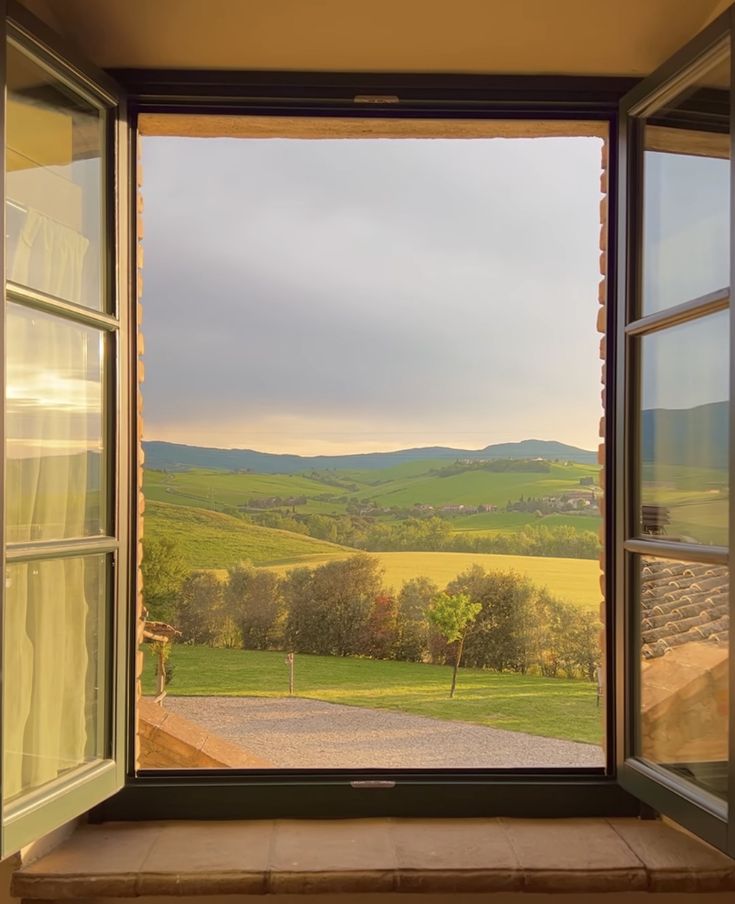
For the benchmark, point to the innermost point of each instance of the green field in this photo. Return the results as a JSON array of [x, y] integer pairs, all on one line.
[[488, 524], [208, 489], [697, 500], [478, 487], [552, 707], [574, 580], [213, 540], [402, 485]]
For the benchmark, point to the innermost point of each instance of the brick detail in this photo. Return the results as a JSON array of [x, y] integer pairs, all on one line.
[[602, 301], [139, 475]]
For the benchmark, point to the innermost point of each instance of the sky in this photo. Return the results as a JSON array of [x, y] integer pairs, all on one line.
[[336, 296]]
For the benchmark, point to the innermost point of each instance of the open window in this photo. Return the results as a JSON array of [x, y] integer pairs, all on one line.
[[675, 427], [70, 534], [65, 491]]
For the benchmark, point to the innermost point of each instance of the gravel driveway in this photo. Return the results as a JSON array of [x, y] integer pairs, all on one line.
[[300, 733]]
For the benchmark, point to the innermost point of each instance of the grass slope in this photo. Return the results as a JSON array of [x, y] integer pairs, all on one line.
[[573, 580], [213, 540], [206, 489], [552, 707]]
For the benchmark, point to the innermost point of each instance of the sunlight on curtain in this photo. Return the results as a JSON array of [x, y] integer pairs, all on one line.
[[54, 462]]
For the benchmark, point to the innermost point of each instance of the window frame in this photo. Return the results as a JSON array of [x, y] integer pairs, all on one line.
[[294, 793], [44, 809]]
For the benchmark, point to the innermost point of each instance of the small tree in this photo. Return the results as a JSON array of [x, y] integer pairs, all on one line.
[[453, 615]]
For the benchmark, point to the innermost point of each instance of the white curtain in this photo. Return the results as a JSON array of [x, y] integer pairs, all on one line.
[[46, 659]]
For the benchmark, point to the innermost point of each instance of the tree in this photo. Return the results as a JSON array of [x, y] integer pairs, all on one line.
[[253, 600], [164, 571], [501, 639], [453, 615], [328, 609], [412, 629], [200, 610], [380, 632]]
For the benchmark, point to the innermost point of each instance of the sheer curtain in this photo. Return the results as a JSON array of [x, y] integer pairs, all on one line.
[[46, 601]]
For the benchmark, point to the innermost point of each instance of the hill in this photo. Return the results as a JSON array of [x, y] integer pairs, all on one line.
[[693, 437], [176, 456], [214, 540]]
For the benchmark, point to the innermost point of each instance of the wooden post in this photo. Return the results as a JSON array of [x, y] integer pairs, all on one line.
[[161, 689], [290, 663]]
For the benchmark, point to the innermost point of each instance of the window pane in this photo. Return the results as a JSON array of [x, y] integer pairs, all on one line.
[[53, 184], [684, 610], [684, 431], [54, 684], [55, 447], [686, 202]]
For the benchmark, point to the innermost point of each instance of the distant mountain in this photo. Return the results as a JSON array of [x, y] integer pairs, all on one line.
[[175, 456], [694, 437]]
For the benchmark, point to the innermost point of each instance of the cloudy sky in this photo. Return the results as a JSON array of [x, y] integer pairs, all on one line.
[[340, 296]]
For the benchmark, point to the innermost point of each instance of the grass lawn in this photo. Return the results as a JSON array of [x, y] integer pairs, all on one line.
[[552, 707]]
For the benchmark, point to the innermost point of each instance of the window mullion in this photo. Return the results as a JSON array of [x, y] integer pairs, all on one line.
[[689, 310], [58, 549], [692, 552], [33, 298]]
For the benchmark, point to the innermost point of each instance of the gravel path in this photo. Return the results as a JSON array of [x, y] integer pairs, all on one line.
[[298, 733]]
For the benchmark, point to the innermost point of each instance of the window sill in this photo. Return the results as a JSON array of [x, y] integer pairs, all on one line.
[[375, 855]]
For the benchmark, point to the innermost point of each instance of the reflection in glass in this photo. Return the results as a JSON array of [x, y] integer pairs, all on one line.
[[686, 202], [684, 431], [54, 644], [684, 697], [53, 185], [54, 428]]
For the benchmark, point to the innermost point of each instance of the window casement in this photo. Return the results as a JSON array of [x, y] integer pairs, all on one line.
[[85, 554], [65, 522]]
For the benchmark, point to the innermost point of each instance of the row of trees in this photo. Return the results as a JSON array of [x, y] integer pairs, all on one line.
[[434, 534], [341, 608]]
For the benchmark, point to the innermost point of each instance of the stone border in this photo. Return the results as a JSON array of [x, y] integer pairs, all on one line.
[[125, 860]]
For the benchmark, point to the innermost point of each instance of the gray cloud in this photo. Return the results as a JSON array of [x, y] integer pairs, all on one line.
[[431, 289]]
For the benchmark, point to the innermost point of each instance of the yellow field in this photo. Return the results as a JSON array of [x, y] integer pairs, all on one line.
[[573, 580]]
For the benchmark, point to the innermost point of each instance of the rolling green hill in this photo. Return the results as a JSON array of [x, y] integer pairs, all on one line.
[[214, 540], [209, 489], [176, 456], [403, 485], [478, 487]]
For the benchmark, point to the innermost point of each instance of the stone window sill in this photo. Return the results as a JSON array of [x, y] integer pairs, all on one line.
[[375, 855]]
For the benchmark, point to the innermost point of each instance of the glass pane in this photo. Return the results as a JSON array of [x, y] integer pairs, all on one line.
[[54, 425], [684, 699], [54, 647], [686, 201], [684, 431], [54, 170]]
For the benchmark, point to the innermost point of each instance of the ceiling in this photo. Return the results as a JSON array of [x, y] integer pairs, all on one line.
[[574, 37]]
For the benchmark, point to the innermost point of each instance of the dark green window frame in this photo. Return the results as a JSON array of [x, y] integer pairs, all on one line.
[[342, 793], [43, 809], [704, 814]]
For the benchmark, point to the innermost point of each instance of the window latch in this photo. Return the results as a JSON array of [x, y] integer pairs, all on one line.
[[376, 99], [369, 785]]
